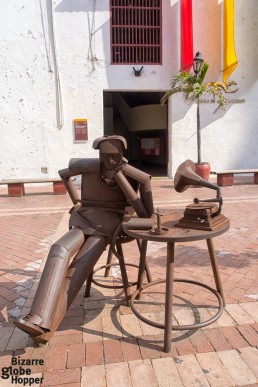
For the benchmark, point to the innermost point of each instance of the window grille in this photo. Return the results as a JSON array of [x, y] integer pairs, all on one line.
[[135, 31]]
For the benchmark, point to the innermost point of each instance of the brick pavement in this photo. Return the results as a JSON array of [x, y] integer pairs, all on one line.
[[100, 342]]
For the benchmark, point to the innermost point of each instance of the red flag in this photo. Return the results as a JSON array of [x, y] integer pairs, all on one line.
[[186, 35]]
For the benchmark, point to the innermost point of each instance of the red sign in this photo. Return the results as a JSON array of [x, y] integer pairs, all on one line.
[[80, 129]]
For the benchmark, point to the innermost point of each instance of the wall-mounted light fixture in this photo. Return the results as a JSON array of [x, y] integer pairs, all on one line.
[[137, 72]]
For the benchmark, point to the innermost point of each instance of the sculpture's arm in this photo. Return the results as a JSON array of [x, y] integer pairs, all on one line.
[[143, 204], [66, 175], [77, 167]]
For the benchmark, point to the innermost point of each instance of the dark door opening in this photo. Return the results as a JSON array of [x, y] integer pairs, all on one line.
[[143, 121]]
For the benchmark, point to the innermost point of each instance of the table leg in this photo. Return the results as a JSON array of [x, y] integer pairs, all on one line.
[[142, 265], [88, 285], [169, 296], [123, 273], [109, 261], [215, 269], [147, 269]]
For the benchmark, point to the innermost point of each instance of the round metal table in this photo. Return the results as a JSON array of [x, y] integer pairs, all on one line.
[[171, 237]]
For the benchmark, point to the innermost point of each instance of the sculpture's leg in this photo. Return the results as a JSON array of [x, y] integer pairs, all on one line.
[[78, 271], [47, 295]]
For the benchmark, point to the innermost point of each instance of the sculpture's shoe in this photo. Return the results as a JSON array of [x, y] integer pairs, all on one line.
[[28, 327], [39, 340]]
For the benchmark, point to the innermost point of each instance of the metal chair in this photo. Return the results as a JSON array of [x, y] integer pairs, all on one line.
[[119, 238]]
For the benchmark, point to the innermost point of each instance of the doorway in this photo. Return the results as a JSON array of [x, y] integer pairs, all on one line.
[[139, 117]]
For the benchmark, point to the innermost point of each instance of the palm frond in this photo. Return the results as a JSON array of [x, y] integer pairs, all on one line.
[[202, 73], [181, 82], [193, 87]]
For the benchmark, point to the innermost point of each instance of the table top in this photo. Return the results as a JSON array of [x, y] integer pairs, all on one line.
[[174, 234]]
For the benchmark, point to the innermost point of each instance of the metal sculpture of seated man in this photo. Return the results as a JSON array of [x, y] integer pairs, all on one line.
[[108, 186]]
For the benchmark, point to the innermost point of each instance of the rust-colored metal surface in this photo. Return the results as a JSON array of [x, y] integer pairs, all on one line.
[[109, 186], [173, 234], [171, 237]]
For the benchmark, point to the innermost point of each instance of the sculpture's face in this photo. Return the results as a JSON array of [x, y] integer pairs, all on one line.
[[111, 153], [110, 160]]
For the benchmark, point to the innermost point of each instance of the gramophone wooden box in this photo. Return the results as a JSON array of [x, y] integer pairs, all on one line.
[[201, 217]]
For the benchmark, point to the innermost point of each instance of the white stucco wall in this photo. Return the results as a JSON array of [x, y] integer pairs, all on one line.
[[229, 138], [30, 137]]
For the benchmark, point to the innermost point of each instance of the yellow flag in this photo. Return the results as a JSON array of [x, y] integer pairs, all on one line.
[[230, 59]]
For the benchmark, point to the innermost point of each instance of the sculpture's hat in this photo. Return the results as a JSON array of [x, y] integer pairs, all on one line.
[[110, 144]]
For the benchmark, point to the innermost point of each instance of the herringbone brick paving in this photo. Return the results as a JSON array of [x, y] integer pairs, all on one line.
[[100, 342]]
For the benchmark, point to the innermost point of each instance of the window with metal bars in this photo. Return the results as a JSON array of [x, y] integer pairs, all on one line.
[[136, 31]]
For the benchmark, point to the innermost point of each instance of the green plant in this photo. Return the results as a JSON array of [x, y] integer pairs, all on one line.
[[192, 87]]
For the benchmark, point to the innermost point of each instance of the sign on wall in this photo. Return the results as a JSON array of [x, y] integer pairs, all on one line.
[[151, 146], [80, 129]]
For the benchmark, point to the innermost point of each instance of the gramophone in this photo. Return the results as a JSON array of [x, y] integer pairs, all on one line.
[[201, 214]]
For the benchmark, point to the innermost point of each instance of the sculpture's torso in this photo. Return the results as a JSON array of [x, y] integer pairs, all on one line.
[[102, 206], [96, 193]]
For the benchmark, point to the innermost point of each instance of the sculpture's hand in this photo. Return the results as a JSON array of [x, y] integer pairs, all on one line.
[[120, 166]]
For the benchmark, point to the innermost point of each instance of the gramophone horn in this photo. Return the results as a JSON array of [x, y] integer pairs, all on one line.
[[185, 177]]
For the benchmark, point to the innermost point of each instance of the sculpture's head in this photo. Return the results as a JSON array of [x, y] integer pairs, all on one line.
[[111, 149]]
